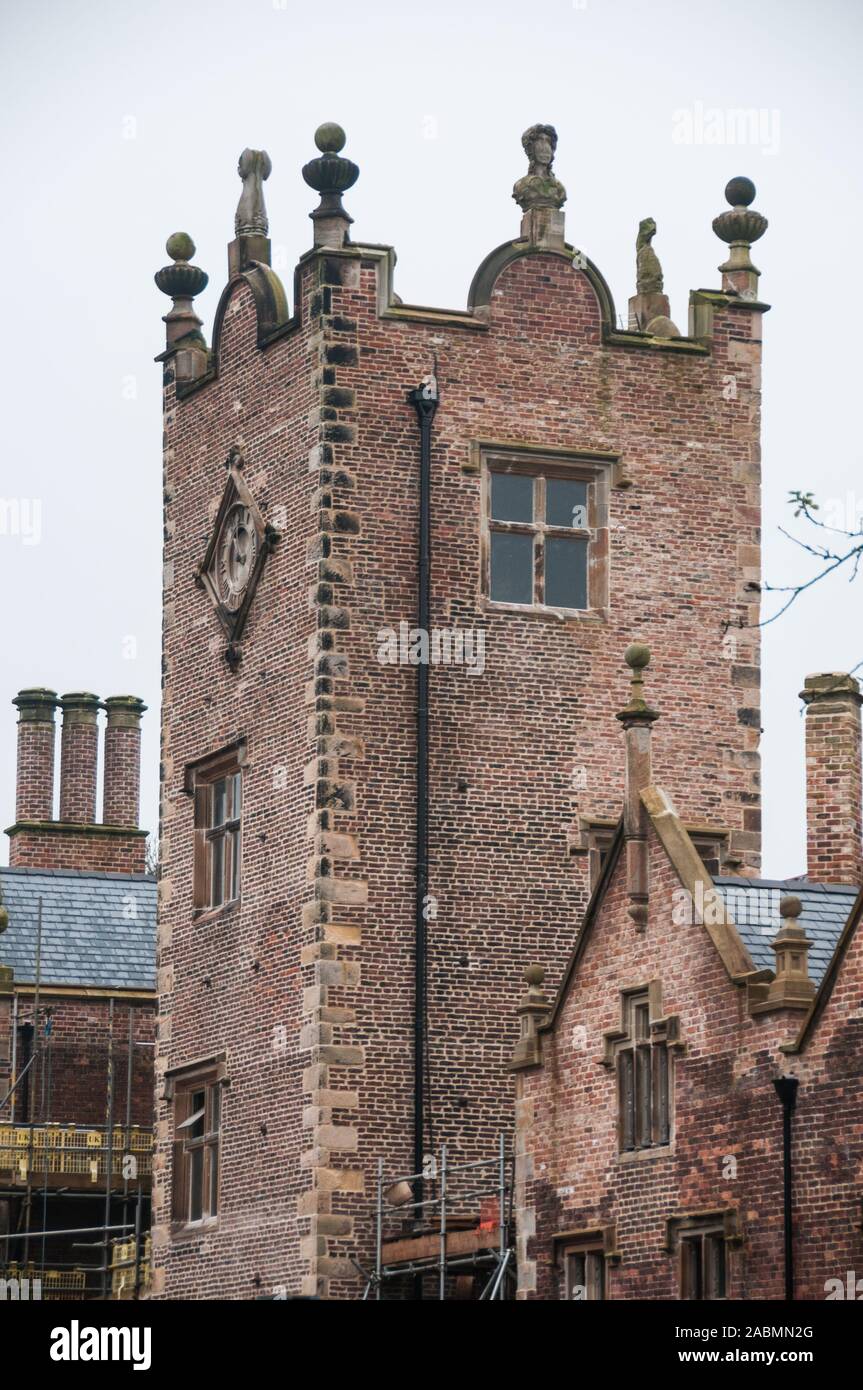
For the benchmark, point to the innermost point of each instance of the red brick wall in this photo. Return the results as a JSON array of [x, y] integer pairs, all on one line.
[[503, 747], [828, 1137], [71, 1081], [68, 848], [233, 983]]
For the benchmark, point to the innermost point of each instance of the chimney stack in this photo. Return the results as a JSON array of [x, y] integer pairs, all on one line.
[[834, 778], [122, 774], [75, 840], [636, 718], [34, 798]]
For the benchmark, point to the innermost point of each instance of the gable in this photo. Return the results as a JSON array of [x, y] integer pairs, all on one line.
[[672, 857]]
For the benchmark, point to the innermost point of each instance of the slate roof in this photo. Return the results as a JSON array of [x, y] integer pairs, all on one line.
[[98, 929], [753, 906]]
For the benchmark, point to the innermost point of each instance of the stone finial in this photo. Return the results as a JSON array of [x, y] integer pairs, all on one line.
[[538, 193], [182, 282], [253, 167], [532, 1010], [331, 175], [636, 718], [637, 658], [740, 228], [251, 244], [649, 310], [792, 987]]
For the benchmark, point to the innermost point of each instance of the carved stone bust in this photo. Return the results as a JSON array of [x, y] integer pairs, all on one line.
[[539, 188], [251, 219]]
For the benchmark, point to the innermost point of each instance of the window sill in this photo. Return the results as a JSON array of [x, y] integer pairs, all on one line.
[[557, 615], [188, 1230], [206, 915], [644, 1155]]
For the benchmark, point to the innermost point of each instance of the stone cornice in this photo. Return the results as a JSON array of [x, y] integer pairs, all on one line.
[[62, 827]]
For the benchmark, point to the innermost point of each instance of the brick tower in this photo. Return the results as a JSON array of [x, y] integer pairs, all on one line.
[[404, 550]]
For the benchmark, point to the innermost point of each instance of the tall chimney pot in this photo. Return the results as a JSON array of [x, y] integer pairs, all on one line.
[[79, 755], [34, 798], [122, 775]]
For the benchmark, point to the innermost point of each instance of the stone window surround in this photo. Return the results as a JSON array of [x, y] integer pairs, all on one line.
[[600, 471], [199, 776], [720, 1220], [664, 1028], [601, 1239], [203, 1073]]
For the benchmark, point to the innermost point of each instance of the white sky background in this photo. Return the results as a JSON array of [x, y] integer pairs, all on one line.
[[123, 123]]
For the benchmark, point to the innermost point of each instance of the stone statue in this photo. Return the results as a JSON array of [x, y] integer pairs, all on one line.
[[251, 218], [539, 188], [648, 271]]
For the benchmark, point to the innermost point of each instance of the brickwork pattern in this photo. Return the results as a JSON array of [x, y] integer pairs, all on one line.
[[122, 775], [71, 1085], [34, 787], [834, 782], [79, 754], [57, 847]]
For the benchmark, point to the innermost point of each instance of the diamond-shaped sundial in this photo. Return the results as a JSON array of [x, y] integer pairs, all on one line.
[[235, 555]]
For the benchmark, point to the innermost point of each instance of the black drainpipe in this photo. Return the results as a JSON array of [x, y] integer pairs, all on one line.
[[786, 1090], [425, 401]]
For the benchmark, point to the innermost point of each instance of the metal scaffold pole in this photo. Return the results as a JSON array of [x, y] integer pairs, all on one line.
[[443, 1235]]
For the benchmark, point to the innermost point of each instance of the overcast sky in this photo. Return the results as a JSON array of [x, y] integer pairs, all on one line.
[[123, 123]]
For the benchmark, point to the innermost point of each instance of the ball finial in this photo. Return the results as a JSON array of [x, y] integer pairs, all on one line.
[[637, 656], [330, 138], [180, 246], [534, 975], [790, 906], [740, 192]]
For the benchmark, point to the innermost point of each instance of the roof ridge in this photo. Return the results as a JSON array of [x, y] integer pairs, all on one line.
[[27, 871]]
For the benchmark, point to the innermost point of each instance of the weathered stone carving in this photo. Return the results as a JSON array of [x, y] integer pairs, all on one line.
[[648, 308], [648, 271], [254, 167], [538, 188]]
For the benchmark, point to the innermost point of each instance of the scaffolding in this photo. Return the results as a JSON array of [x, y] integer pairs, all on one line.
[[43, 1162], [463, 1231]]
